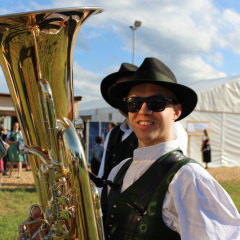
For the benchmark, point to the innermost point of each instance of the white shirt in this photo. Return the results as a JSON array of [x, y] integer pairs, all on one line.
[[179, 133], [126, 132], [195, 205]]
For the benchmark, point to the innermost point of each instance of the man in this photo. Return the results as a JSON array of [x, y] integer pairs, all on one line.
[[120, 137], [121, 141], [161, 194]]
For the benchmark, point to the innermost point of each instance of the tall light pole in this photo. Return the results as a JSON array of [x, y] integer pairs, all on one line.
[[137, 24]]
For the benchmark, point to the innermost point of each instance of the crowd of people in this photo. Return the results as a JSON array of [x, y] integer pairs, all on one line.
[[158, 193]]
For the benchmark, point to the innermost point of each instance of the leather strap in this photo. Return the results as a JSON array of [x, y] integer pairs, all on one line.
[[101, 183]]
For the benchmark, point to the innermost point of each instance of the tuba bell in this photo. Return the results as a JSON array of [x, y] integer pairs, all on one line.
[[36, 56]]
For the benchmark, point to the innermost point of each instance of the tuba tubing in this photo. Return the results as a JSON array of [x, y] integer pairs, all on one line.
[[36, 56]]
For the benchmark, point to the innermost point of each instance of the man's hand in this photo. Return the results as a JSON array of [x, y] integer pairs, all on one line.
[[36, 214]]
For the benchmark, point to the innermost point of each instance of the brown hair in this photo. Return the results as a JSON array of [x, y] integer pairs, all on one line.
[[98, 139], [206, 133]]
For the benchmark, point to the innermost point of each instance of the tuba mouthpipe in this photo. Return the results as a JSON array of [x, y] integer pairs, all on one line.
[[49, 120]]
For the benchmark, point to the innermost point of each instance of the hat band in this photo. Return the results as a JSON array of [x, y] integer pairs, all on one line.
[[157, 76]]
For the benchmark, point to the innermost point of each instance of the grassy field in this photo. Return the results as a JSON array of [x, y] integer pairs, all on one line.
[[15, 202], [13, 210], [233, 190]]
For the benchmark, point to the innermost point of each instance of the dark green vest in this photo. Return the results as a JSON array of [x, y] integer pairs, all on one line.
[[118, 150], [151, 225]]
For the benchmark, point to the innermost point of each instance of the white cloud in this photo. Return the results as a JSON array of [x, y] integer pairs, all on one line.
[[216, 58], [86, 84], [202, 70]]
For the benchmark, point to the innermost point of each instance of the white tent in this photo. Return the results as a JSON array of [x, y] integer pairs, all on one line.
[[218, 106], [218, 103]]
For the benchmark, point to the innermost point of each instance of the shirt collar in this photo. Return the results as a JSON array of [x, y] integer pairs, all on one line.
[[125, 127], [152, 153]]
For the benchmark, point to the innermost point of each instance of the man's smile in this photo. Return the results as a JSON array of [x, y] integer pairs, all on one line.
[[145, 123]]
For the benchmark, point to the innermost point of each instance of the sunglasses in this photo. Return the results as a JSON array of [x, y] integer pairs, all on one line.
[[154, 103]]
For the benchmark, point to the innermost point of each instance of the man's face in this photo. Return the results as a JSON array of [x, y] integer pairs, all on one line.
[[15, 127], [153, 127]]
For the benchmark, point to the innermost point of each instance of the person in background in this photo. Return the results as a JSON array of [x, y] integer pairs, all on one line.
[[160, 193], [2, 145], [109, 127], [206, 149], [96, 155], [5, 159], [1, 167], [120, 141], [1, 170], [14, 138]]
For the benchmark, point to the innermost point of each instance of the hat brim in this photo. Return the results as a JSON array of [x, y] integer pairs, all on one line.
[[107, 82], [185, 95]]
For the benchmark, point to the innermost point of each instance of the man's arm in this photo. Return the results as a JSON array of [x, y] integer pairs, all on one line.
[[197, 207]]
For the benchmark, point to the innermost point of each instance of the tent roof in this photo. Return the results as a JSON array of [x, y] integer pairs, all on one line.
[[223, 97], [210, 83]]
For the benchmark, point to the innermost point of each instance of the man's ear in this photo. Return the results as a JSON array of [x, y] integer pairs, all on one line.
[[178, 111]]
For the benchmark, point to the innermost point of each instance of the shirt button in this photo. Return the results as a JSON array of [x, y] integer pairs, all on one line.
[[114, 154], [114, 206], [112, 216], [109, 236], [110, 225]]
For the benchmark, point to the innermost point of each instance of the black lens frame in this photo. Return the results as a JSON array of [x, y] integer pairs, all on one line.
[[138, 102]]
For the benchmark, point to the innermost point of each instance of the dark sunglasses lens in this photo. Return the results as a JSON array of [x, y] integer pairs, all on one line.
[[133, 105], [156, 104]]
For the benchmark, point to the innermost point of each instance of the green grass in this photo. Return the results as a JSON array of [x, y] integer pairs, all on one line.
[[233, 190], [15, 202], [13, 210]]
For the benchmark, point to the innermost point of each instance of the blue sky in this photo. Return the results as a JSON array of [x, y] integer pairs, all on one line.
[[197, 39]]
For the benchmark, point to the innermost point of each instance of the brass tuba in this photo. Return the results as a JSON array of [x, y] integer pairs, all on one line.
[[36, 56]]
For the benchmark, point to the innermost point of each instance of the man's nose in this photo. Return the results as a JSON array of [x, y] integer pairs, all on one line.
[[144, 109]]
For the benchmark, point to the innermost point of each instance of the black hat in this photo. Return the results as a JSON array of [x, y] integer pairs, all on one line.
[[126, 69], [154, 71]]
